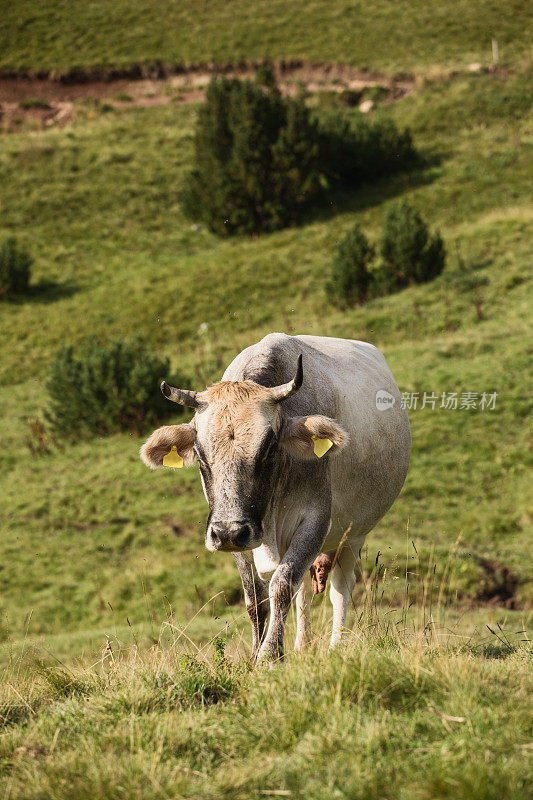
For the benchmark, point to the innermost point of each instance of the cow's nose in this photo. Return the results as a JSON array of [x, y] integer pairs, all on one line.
[[230, 536], [218, 535], [241, 536]]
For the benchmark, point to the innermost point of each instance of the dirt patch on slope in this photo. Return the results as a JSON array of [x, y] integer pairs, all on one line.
[[499, 584], [47, 102]]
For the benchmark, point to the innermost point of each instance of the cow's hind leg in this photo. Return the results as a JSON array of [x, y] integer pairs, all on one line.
[[303, 613], [341, 588], [255, 597]]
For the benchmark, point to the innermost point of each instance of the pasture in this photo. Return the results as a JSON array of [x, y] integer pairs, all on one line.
[[66, 38], [113, 683]]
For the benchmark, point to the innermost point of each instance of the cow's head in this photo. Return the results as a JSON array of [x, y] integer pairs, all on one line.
[[239, 436]]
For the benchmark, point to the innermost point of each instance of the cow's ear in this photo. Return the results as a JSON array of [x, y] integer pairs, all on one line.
[[312, 437], [162, 441]]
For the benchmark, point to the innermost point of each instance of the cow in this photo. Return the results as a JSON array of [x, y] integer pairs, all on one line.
[[302, 447]]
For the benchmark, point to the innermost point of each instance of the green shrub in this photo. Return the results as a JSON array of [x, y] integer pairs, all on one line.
[[352, 153], [103, 387], [409, 254], [256, 158], [15, 269], [350, 278], [260, 158]]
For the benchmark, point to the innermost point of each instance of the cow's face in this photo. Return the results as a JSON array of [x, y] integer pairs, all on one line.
[[236, 445], [238, 436]]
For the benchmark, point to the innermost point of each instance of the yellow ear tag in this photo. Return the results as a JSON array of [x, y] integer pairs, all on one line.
[[321, 446], [172, 459]]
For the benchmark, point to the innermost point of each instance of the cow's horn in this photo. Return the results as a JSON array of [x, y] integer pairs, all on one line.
[[280, 393], [181, 396]]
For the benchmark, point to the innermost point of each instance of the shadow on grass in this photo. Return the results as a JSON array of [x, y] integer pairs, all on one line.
[[369, 195], [46, 291]]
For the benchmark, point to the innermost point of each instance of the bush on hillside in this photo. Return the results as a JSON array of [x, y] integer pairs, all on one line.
[[354, 152], [15, 269], [409, 253], [350, 278], [260, 158], [104, 387], [256, 158]]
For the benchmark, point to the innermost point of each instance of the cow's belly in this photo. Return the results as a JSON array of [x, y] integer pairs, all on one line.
[[367, 477]]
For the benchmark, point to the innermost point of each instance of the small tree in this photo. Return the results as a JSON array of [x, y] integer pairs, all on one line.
[[409, 254], [15, 269], [350, 278], [256, 157], [358, 150], [103, 387]]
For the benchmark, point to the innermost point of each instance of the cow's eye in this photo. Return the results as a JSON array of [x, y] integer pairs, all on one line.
[[199, 456], [267, 448]]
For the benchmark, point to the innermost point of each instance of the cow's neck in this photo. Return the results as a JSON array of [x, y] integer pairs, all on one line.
[[298, 487]]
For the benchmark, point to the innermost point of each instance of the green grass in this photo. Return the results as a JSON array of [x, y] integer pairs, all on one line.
[[61, 37], [389, 716]]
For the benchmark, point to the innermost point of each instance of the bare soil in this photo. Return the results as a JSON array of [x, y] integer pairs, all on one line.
[[45, 102], [499, 584]]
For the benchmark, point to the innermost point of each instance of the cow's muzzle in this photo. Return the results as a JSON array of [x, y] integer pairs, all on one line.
[[232, 536]]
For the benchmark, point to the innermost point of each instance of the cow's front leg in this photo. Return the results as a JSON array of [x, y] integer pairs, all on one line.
[[304, 548], [255, 597]]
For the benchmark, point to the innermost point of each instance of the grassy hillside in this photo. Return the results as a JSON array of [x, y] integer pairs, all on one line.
[[60, 36], [91, 540]]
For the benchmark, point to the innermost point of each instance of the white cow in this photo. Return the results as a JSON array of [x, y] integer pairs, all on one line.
[[292, 465]]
